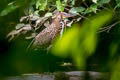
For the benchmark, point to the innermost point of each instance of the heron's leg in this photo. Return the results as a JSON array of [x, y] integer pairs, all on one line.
[[62, 30], [48, 48]]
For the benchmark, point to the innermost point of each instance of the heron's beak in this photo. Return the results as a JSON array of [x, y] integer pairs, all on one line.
[[67, 15]]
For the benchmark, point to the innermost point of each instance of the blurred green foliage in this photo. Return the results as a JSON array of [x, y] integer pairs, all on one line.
[[12, 6], [116, 70], [80, 41]]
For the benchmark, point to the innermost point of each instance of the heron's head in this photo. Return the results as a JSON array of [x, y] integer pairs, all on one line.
[[63, 15]]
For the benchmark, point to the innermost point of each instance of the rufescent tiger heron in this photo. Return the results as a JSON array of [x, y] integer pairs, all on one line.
[[47, 35]]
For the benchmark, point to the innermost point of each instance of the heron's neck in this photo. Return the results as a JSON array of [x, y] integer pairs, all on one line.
[[57, 21]]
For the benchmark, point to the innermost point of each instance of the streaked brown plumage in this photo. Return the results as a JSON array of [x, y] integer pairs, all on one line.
[[46, 36]]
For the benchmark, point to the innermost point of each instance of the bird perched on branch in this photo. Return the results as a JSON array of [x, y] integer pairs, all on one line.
[[47, 35]]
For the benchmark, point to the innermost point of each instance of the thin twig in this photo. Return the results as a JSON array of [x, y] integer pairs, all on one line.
[[108, 28], [85, 4], [112, 26]]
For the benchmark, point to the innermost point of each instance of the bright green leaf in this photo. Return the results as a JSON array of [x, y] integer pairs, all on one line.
[[92, 8], [59, 5], [41, 4]]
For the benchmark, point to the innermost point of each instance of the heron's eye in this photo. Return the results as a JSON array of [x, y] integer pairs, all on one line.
[[63, 17]]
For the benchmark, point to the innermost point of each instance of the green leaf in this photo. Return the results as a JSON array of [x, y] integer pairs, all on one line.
[[36, 13], [88, 10], [76, 10], [65, 1], [48, 14], [59, 5], [92, 8], [41, 4], [95, 1], [73, 2], [103, 1], [118, 3]]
